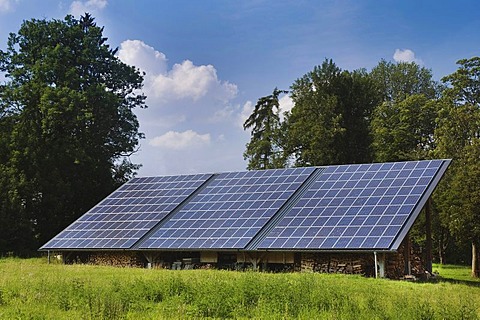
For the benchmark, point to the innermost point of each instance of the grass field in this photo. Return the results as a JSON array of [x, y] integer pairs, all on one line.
[[33, 289]]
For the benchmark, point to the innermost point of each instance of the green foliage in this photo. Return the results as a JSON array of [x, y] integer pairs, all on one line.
[[32, 289], [397, 81], [404, 130], [329, 123], [66, 127], [264, 151], [458, 135], [403, 124]]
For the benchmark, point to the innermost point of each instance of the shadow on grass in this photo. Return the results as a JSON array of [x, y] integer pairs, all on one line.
[[439, 279], [471, 283]]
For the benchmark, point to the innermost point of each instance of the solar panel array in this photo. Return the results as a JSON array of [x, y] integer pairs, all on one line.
[[230, 211], [127, 214], [354, 207], [345, 207]]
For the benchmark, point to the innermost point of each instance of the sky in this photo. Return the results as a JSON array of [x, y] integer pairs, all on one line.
[[208, 62]]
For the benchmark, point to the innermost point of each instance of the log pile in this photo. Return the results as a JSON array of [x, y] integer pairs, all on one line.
[[335, 263], [395, 264], [117, 259]]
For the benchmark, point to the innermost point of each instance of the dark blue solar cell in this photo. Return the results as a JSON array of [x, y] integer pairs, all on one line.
[[337, 231], [350, 231], [369, 242], [312, 232], [373, 201], [363, 231], [384, 242], [329, 243], [341, 243], [316, 243], [399, 219], [358, 221], [348, 202], [385, 220], [391, 231], [345, 221], [324, 231], [332, 221], [377, 231], [319, 221]]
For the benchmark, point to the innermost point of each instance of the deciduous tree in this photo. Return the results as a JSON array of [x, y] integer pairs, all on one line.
[[329, 123], [67, 120], [458, 136]]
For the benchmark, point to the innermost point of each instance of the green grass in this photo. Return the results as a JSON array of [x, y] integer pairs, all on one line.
[[456, 273], [32, 289]]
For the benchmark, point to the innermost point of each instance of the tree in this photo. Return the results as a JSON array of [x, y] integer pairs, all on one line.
[[403, 124], [397, 81], [67, 122], [458, 137], [329, 123], [264, 150], [404, 130]]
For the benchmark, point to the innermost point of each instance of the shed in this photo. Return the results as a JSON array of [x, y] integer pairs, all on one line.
[[339, 218]]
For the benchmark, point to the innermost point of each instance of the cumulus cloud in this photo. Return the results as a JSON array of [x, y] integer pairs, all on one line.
[[184, 81], [180, 140], [78, 8], [405, 55], [7, 5], [137, 53]]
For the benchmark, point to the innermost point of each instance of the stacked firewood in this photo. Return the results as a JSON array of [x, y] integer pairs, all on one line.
[[116, 259], [328, 264], [395, 266]]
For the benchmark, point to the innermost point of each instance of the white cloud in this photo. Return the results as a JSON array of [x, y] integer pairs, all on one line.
[[145, 57], [7, 5], [78, 8], [180, 140], [406, 55], [184, 81]]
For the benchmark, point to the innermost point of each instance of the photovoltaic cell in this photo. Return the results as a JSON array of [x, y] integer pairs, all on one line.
[[127, 214], [229, 211], [354, 207]]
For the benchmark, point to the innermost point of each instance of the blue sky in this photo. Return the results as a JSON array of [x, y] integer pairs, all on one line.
[[207, 62]]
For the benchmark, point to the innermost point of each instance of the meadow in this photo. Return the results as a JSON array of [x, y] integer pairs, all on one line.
[[33, 289]]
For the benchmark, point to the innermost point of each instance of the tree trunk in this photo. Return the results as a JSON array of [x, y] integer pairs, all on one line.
[[475, 262], [428, 234], [441, 253]]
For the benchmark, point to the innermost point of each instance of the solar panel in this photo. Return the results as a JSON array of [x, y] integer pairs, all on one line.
[[229, 211], [350, 207], [127, 214]]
